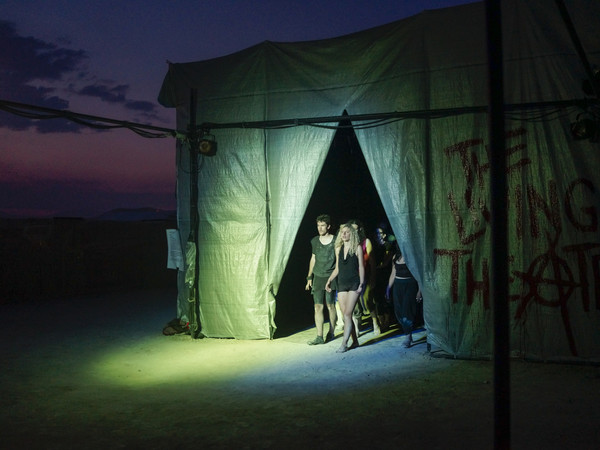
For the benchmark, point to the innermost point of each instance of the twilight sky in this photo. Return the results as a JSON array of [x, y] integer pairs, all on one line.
[[108, 58]]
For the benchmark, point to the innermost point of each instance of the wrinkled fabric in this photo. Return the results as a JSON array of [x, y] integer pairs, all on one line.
[[431, 171]]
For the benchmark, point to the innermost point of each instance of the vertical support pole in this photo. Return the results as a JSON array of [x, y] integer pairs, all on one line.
[[499, 229], [192, 247]]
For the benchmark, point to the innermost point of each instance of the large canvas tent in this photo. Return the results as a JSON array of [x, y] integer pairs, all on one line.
[[429, 162]]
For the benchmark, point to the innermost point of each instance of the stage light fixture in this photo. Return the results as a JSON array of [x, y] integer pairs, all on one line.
[[207, 145]]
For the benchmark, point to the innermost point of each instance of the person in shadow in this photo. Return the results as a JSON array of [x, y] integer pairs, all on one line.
[[363, 299], [379, 306]]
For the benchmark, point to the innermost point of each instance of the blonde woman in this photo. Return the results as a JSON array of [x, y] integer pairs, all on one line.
[[350, 273]]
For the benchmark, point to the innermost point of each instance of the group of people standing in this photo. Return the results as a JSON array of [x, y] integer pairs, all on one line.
[[366, 277]]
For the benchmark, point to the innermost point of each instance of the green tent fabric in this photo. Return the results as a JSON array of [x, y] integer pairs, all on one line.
[[430, 168]]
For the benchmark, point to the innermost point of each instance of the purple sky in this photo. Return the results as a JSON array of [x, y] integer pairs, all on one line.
[[108, 58]]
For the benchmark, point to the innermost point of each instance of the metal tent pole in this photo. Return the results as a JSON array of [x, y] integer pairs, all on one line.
[[193, 139]]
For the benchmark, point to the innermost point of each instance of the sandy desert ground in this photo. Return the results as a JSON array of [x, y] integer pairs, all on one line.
[[96, 372]]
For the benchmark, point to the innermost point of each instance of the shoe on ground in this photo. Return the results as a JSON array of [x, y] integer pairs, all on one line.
[[316, 341]]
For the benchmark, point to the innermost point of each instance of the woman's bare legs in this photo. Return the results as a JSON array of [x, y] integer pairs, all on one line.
[[347, 301]]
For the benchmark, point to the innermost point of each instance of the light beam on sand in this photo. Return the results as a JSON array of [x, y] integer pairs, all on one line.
[[179, 360]]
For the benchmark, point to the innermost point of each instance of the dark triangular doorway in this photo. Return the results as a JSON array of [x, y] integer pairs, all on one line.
[[344, 190]]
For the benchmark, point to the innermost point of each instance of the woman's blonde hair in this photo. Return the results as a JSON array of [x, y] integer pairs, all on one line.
[[354, 241]]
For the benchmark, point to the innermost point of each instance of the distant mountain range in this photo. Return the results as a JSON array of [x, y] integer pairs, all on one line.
[[119, 215], [137, 214]]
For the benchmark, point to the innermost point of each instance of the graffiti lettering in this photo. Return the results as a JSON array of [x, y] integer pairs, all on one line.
[[537, 203], [465, 237], [454, 272], [549, 280], [475, 174], [518, 206], [553, 275], [514, 149], [472, 170], [483, 286]]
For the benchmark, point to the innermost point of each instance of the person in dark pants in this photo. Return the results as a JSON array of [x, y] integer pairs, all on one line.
[[406, 295], [320, 267]]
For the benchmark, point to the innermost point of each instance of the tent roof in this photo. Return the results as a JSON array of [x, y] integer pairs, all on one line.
[[443, 51]]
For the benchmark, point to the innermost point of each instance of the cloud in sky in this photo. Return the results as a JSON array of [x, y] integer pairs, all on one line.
[[105, 93], [30, 71], [25, 60], [116, 94]]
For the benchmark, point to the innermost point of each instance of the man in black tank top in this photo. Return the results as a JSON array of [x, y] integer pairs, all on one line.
[[322, 263]]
